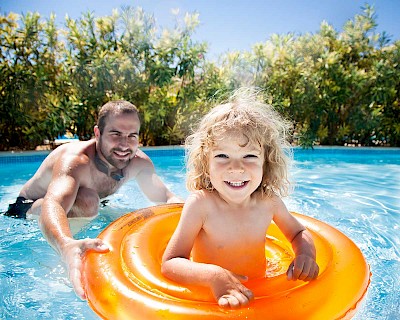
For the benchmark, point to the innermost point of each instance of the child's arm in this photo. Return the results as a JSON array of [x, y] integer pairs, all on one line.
[[225, 285], [304, 266]]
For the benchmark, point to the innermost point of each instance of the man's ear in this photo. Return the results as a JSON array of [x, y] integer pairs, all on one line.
[[96, 132]]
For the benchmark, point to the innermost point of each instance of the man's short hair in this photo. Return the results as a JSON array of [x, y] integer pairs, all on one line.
[[114, 108]]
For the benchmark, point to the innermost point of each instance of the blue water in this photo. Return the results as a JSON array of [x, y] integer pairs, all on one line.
[[355, 190]]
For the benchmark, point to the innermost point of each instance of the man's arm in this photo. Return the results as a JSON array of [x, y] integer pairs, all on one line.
[[151, 184], [53, 220], [57, 202]]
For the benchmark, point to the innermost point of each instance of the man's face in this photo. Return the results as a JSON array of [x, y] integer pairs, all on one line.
[[119, 140]]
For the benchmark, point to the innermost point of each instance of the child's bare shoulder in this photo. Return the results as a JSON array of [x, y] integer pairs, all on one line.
[[200, 195], [201, 200], [270, 202]]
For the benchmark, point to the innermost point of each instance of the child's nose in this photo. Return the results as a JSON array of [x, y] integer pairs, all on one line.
[[236, 166]]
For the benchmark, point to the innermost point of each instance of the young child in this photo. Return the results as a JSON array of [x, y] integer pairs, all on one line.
[[237, 171]]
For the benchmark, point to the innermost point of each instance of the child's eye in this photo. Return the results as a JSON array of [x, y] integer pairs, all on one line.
[[221, 155], [250, 156]]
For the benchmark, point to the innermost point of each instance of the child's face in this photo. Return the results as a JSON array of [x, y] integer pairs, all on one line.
[[236, 167]]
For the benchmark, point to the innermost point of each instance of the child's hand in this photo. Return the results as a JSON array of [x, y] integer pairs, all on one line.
[[228, 289], [303, 268]]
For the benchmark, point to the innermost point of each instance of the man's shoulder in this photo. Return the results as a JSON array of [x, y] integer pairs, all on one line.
[[141, 160], [140, 155], [76, 153], [140, 164]]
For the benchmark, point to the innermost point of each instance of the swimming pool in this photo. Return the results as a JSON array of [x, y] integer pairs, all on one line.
[[355, 190]]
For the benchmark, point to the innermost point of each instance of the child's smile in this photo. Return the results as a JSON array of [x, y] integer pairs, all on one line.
[[237, 184]]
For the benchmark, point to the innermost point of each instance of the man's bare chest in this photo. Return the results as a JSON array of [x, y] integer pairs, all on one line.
[[104, 185]]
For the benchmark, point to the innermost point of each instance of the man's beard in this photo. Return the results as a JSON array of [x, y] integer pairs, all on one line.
[[109, 156]]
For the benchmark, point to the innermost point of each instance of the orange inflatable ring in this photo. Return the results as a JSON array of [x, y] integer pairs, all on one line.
[[126, 282]]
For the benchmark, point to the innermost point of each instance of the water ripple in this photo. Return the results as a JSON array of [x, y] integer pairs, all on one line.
[[357, 193]]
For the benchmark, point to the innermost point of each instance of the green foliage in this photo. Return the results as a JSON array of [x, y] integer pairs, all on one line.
[[338, 88], [30, 81]]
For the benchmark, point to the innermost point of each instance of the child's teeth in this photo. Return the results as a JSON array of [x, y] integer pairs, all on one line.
[[236, 184]]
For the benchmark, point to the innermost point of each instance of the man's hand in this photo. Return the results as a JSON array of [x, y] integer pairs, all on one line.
[[303, 268], [73, 253], [228, 289]]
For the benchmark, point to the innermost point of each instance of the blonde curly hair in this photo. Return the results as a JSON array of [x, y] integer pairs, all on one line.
[[246, 114]]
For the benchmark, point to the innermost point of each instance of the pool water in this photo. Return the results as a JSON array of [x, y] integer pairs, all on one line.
[[355, 190]]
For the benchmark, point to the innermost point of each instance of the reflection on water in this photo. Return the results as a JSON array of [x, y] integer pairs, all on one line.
[[360, 196], [357, 192]]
